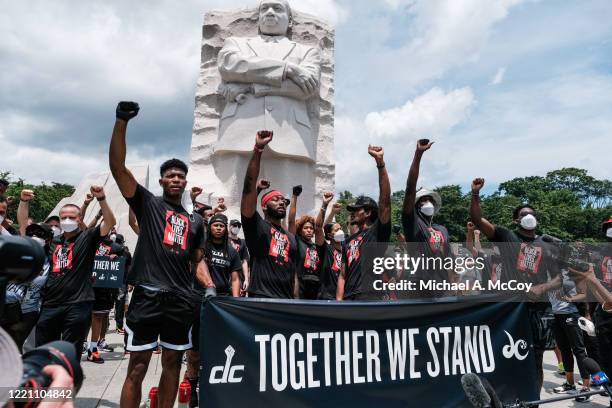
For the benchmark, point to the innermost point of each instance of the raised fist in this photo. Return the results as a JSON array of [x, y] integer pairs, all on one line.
[[327, 197], [97, 191], [376, 152], [423, 144], [470, 226], [263, 138], [26, 195], [263, 184], [10, 200], [195, 192], [221, 207], [297, 190], [127, 110], [220, 200], [336, 207], [477, 184], [88, 198]]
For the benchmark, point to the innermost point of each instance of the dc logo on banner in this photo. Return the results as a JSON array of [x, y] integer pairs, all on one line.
[[226, 373], [512, 349]]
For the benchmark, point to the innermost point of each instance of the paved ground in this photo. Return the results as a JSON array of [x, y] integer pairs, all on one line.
[[102, 386]]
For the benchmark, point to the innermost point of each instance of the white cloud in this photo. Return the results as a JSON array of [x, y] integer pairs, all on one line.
[[499, 76], [430, 115]]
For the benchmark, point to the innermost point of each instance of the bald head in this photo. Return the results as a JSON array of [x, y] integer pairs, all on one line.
[[274, 17]]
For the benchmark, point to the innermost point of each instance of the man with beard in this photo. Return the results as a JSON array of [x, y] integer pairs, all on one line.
[[273, 250], [372, 223], [224, 266], [526, 257], [240, 246], [418, 212], [169, 250]]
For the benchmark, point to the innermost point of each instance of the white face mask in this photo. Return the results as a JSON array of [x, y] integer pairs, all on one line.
[[56, 231], [68, 225], [339, 236], [113, 237], [428, 209], [235, 230], [40, 241], [609, 233], [529, 222]]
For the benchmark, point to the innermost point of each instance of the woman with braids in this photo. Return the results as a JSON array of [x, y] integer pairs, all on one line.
[[225, 266]]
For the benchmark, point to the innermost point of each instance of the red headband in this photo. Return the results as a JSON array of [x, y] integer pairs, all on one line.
[[268, 196]]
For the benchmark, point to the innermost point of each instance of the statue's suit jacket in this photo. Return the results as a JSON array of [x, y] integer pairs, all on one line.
[[275, 102]]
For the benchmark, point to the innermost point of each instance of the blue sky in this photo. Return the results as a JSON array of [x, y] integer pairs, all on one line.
[[506, 88]]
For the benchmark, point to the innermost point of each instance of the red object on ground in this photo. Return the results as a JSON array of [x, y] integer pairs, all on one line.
[[184, 392], [153, 397]]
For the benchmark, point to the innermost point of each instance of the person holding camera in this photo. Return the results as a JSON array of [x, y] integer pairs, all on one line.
[[68, 294], [170, 249]]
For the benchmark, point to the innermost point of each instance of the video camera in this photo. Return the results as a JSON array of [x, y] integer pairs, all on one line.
[[21, 260]]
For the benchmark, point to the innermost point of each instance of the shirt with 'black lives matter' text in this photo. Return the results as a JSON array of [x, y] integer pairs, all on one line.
[[72, 261], [274, 257], [330, 269], [353, 256], [168, 237], [222, 260]]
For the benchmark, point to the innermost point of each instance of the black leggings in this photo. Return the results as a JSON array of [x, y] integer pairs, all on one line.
[[568, 336]]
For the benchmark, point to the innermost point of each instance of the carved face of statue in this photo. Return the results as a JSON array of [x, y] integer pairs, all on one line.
[[274, 17]]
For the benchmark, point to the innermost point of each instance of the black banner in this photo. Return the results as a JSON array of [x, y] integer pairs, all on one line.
[[361, 354], [107, 272]]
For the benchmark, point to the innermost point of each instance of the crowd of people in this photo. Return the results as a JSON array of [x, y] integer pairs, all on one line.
[[184, 258]]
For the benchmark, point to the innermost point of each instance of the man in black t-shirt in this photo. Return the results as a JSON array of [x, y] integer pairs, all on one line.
[[240, 246], [225, 266], [373, 224], [527, 258], [68, 294], [331, 249], [418, 212], [273, 250], [169, 251]]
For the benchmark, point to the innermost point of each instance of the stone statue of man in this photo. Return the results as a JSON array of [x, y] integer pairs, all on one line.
[[267, 81]]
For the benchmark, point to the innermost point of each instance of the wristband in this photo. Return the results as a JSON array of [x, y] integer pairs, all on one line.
[[381, 166], [258, 149], [101, 198]]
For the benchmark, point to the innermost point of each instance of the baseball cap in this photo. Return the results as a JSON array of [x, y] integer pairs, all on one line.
[[41, 229], [235, 222], [52, 218], [362, 202], [218, 217], [437, 200]]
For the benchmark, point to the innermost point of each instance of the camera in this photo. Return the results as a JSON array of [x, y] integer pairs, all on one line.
[[57, 352]]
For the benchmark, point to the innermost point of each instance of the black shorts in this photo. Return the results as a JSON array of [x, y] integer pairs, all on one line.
[[162, 315], [104, 300]]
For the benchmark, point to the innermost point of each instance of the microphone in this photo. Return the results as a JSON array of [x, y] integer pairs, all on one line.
[[597, 376]]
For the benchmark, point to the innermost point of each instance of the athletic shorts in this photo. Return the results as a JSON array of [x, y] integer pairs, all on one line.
[[104, 300], [158, 318]]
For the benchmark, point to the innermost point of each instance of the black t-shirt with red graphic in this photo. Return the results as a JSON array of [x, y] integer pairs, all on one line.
[[525, 259], [71, 264], [274, 256], [168, 236], [222, 261], [330, 269], [240, 247], [309, 268], [352, 255]]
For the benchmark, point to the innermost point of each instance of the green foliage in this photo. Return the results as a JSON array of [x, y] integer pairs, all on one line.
[[46, 196]]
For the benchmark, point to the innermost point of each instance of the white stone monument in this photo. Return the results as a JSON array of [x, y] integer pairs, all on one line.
[[255, 76]]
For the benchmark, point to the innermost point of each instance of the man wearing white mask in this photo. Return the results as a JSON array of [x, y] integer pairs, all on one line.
[[418, 212], [526, 257], [68, 294], [332, 255]]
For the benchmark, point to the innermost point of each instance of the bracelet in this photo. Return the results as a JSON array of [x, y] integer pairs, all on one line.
[[258, 149], [101, 198], [380, 167]]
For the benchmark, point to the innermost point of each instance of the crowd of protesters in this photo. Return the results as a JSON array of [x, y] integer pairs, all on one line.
[[182, 258]]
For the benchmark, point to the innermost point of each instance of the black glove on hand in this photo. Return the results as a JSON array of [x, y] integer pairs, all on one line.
[[297, 190], [210, 292], [127, 110]]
